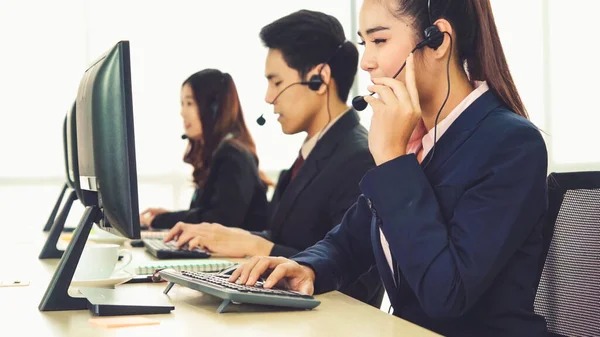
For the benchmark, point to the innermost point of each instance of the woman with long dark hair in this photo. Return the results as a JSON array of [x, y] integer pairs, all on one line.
[[230, 188], [453, 213]]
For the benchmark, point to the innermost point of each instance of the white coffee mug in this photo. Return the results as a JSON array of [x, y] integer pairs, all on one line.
[[98, 262]]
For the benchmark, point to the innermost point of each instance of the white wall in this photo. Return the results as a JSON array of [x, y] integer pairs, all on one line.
[[524, 53], [553, 60], [573, 87], [46, 46]]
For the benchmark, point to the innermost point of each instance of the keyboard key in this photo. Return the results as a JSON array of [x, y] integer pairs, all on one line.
[[238, 293], [162, 249], [257, 289]]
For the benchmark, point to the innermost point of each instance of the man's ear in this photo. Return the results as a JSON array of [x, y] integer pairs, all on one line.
[[324, 70]]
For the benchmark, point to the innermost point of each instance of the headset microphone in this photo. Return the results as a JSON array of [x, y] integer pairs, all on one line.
[[433, 39], [314, 83], [184, 136], [359, 102]]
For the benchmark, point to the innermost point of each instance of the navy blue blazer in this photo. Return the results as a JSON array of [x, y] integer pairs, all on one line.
[[304, 209], [464, 231]]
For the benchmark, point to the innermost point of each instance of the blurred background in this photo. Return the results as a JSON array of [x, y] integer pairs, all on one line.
[[47, 45]]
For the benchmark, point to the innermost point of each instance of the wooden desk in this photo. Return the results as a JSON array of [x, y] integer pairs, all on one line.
[[194, 314]]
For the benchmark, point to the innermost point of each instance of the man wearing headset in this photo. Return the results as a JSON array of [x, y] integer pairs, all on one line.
[[310, 68]]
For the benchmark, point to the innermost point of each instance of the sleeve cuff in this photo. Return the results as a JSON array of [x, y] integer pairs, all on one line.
[[281, 250], [165, 220], [320, 273], [263, 234]]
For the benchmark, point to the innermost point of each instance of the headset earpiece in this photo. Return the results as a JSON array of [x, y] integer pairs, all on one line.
[[214, 109], [314, 82], [214, 106], [433, 37]]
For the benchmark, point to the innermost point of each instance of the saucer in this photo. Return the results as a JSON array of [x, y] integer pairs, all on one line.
[[114, 280], [104, 238]]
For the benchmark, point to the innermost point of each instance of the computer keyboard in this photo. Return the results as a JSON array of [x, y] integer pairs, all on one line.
[[218, 285], [168, 250], [153, 234]]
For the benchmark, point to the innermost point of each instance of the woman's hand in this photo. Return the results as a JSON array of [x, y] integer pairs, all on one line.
[[147, 216], [288, 274], [395, 114], [219, 239]]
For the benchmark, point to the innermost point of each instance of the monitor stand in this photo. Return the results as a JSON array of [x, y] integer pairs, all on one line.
[[110, 302], [57, 298], [49, 251], [50, 221]]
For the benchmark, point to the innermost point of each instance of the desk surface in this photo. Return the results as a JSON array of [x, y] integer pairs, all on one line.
[[194, 314]]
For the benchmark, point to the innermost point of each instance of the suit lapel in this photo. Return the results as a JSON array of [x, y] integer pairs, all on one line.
[[447, 145], [310, 169], [459, 132], [280, 187], [382, 265]]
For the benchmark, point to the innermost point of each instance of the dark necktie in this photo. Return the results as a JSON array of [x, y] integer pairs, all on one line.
[[297, 165]]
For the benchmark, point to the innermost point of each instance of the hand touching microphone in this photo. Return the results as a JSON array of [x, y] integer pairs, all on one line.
[[359, 102], [396, 112]]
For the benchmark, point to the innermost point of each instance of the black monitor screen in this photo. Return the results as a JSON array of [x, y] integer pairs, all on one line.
[[106, 143]]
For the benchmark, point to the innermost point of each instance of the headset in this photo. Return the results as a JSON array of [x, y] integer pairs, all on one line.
[[216, 103], [433, 39], [314, 83]]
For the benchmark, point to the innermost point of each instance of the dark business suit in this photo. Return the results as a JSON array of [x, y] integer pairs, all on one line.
[[464, 232], [233, 195], [305, 208]]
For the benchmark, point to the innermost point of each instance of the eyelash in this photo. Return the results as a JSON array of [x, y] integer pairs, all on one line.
[[277, 84], [376, 41]]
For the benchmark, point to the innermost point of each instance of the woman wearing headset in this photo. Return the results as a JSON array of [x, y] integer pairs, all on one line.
[[230, 189], [452, 214]]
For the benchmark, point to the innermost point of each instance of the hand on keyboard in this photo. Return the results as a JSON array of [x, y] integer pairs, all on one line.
[[219, 286], [287, 273], [220, 240], [165, 250], [172, 245], [256, 288]]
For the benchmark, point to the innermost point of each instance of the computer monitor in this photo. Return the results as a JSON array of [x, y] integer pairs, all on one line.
[[70, 150], [105, 142], [71, 165], [107, 177], [49, 250]]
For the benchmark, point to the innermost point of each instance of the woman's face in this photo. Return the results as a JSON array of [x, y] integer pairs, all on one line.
[[387, 40], [190, 113]]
